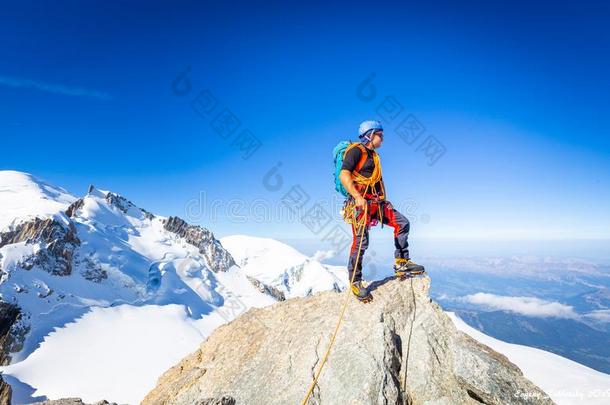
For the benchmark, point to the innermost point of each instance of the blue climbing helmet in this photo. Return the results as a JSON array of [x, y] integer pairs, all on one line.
[[367, 128]]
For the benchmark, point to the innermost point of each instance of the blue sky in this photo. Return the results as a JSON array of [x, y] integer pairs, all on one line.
[[516, 94]]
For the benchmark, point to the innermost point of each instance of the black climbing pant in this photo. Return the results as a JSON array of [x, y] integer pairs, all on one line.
[[389, 216]]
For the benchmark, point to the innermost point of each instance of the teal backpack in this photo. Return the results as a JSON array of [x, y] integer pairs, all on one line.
[[338, 155]]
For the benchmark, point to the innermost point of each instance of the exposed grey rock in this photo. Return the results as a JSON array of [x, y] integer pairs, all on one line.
[[20, 288], [75, 206], [400, 348], [116, 200], [13, 329], [5, 392], [92, 271], [44, 292], [58, 245], [9, 314], [58, 242], [267, 289], [217, 257], [125, 205]]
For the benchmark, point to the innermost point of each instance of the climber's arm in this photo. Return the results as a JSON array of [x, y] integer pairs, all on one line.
[[346, 179]]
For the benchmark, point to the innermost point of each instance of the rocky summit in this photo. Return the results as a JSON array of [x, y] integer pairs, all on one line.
[[399, 349]]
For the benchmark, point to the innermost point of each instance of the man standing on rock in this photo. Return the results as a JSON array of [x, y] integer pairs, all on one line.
[[361, 177]]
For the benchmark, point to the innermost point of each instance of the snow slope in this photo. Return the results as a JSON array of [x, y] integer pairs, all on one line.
[[565, 381], [282, 267], [115, 353], [24, 197]]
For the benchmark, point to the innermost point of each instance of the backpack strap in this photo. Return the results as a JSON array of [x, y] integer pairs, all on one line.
[[363, 155]]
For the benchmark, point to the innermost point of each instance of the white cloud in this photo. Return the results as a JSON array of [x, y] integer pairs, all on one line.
[[602, 315], [52, 88], [322, 255], [529, 306]]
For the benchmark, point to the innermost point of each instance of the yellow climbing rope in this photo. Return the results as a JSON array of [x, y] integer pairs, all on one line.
[[362, 223], [375, 176], [348, 210]]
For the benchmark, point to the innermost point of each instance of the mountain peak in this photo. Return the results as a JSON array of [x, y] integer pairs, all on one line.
[[400, 348], [97, 201], [59, 254], [24, 197]]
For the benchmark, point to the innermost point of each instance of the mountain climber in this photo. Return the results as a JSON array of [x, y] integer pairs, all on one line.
[[361, 177]]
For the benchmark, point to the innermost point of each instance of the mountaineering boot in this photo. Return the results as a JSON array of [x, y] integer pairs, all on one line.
[[361, 292], [407, 268]]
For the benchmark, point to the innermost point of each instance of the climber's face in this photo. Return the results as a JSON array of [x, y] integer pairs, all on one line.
[[377, 139]]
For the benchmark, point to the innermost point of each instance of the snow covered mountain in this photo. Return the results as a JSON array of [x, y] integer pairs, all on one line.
[[23, 198], [99, 297], [280, 270], [100, 250], [67, 263]]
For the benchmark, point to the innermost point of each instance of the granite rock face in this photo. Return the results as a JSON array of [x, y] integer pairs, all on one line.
[[267, 289], [5, 392], [9, 314], [217, 257], [58, 242], [124, 205], [399, 349]]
